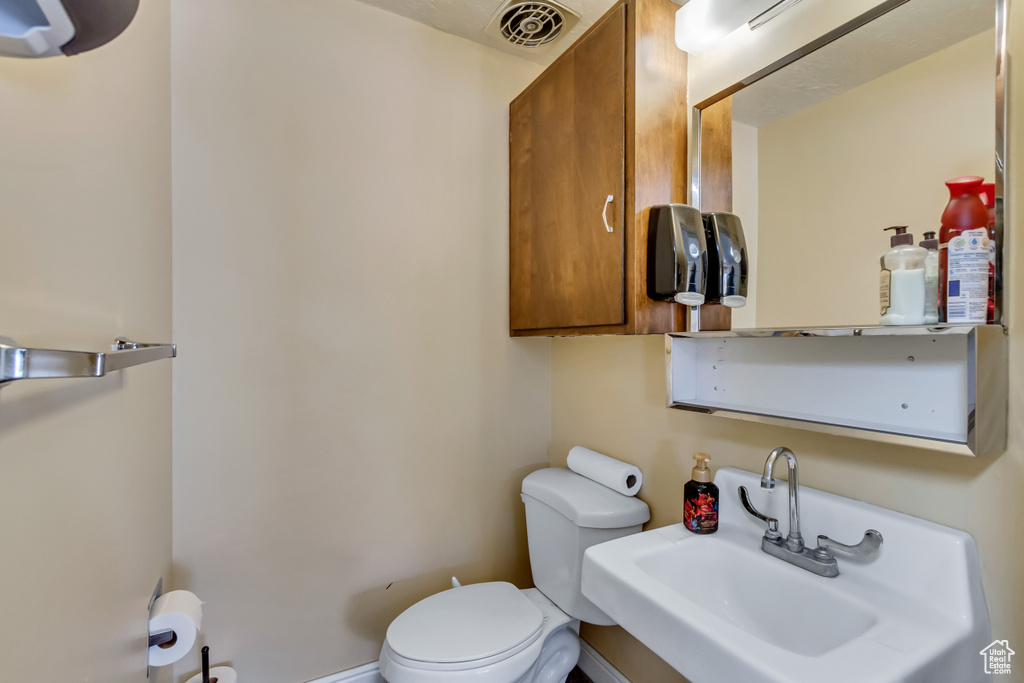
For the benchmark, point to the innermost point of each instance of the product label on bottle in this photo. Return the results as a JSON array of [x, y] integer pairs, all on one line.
[[967, 277], [990, 317], [931, 287], [885, 291], [700, 513]]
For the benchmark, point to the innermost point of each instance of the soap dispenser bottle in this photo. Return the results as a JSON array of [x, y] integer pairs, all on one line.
[[700, 499], [902, 282], [677, 255], [727, 259]]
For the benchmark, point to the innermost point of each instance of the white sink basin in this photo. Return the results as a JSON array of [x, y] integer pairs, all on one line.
[[717, 608], [773, 603]]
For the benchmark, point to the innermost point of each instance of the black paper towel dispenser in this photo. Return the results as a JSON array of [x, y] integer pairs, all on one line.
[[48, 28]]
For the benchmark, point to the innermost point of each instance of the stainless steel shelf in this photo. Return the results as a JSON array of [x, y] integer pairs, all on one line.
[[862, 331], [17, 362], [942, 388]]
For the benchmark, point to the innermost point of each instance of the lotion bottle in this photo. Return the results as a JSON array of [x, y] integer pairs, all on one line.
[[902, 281], [700, 499]]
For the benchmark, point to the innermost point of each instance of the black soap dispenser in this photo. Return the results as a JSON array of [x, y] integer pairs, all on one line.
[[727, 259], [700, 499], [677, 255]]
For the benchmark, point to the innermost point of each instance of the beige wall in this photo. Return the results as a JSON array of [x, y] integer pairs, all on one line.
[[352, 421], [833, 176], [609, 394], [85, 464]]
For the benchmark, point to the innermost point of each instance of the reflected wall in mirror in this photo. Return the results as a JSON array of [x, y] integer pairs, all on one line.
[[829, 146]]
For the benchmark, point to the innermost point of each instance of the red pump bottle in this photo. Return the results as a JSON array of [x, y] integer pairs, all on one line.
[[965, 212]]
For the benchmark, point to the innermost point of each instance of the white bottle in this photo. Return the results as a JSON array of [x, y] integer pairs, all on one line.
[[902, 281]]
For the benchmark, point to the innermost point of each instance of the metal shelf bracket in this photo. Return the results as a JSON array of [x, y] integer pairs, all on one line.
[[17, 362]]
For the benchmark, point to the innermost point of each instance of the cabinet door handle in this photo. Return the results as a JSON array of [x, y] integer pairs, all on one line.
[[604, 213]]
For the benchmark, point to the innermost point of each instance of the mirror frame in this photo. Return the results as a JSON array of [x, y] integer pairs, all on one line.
[[1001, 18]]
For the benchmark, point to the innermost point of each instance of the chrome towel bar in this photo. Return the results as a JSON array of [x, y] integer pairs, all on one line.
[[17, 362]]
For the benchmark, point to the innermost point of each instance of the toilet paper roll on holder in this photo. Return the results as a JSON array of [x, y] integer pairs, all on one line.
[[166, 637]]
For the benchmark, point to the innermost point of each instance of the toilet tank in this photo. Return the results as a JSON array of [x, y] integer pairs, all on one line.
[[566, 514]]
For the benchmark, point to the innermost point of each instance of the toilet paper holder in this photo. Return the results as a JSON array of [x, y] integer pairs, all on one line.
[[167, 637], [159, 637]]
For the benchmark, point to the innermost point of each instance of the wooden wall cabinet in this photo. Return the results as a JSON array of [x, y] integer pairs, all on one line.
[[594, 142]]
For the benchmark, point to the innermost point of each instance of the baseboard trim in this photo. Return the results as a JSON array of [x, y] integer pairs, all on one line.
[[367, 673], [597, 668]]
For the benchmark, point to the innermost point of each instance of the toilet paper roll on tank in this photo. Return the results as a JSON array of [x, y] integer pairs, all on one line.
[[178, 611], [617, 475]]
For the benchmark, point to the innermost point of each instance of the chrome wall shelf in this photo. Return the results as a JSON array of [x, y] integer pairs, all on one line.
[[939, 388], [17, 362]]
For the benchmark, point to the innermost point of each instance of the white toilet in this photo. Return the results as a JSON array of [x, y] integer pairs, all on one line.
[[495, 633]]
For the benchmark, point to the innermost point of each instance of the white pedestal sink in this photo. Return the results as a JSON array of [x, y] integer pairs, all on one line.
[[717, 608]]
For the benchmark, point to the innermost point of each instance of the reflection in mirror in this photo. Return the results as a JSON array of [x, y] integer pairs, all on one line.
[[821, 155]]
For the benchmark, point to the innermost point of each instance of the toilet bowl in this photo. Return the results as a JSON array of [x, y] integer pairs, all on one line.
[[495, 633]]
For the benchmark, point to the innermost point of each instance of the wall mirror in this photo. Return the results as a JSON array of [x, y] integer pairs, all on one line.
[[854, 132]]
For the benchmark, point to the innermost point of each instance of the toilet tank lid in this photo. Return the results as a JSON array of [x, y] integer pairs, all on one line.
[[584, 502]]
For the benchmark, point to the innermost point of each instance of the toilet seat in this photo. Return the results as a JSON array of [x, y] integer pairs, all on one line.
[[458, 629]]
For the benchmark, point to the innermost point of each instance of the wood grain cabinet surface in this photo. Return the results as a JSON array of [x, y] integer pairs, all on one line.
[[606, 119]]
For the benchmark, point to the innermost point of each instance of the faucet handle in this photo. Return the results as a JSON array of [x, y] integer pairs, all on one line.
[[772, 533], [868, 546]]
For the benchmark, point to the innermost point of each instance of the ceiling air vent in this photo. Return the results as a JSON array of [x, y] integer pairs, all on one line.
[[531, 25]]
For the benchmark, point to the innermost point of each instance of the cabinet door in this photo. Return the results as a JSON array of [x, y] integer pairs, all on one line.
[[566, 141]]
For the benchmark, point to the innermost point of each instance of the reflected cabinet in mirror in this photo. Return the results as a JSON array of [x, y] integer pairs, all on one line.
[[853, 131]]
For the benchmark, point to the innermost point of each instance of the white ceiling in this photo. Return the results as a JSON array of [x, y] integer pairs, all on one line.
[[469, 18]]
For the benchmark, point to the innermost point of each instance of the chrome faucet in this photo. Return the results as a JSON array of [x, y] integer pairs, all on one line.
[[794, 541], [820, 561]]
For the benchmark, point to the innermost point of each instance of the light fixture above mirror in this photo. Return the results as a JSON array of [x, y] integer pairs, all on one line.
[[701, 23]]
